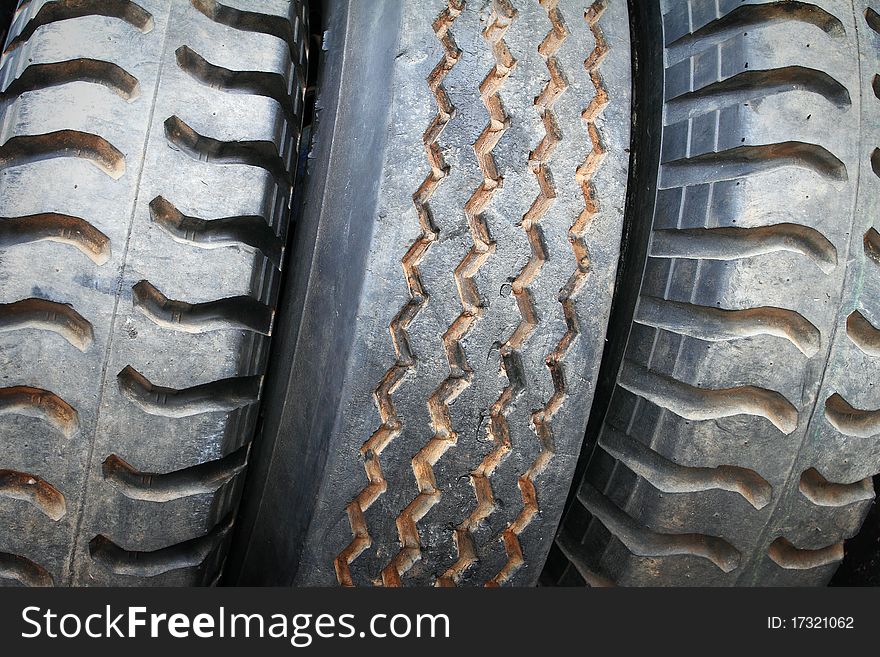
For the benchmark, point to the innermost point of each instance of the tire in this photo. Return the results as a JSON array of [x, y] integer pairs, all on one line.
[[454, 268], [147, 151], [740, 438]]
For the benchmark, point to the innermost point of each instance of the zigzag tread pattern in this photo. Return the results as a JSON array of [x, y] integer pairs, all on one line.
[[460, 373], [542, 419], [511, 360], [391, 424]]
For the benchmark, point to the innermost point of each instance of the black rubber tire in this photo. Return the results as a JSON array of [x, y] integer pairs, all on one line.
[[496, 295], [147, 149], [741, 435]]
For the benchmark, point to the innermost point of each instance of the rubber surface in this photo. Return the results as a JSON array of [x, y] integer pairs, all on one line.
[[462, 241], [146, 158], [740, 440]]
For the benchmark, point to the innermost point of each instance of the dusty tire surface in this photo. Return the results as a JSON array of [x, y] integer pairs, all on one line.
[[451, 333], [740, 439], [146, 157], [584, 291]]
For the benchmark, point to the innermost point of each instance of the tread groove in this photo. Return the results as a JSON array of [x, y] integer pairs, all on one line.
[[43, 76], [260, 83], [872, 245], [786, 555], [27, 149], [261, 154], [863, 334], [755, 84], [873, 19], [187, 554], [35, 491], [47, 316], [199, 479], [736, 243], [572, 552], [851, 421], [42, 405], [822, 492], [240, 312], [695, 403], [54, 227], [24, 571], [748, 16], [248, 21], [670, 477], [719, 324], [223, 395], [251, 230], [61, 10], [644, 542], [745, 161]]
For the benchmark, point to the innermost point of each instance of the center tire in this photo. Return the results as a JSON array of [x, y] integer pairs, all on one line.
[[458, 244]]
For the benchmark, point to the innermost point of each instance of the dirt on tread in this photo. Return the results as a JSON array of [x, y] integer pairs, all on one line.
[[471, 314]]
